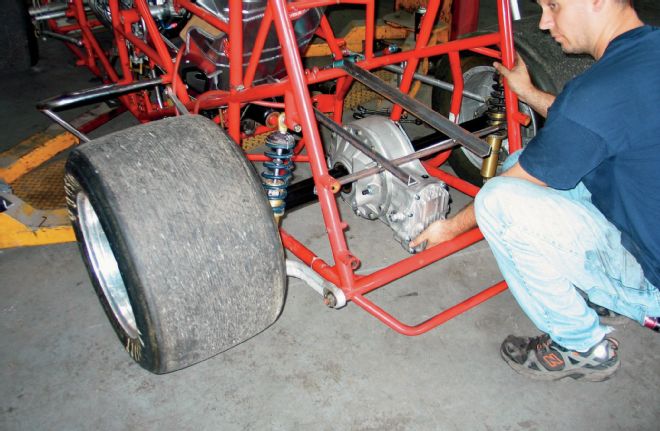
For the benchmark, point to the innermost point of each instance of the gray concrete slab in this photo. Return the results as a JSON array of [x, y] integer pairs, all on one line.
[[315, 368], [61, 366]]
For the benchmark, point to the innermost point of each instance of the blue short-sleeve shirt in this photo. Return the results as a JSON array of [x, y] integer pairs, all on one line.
[[604, 130]]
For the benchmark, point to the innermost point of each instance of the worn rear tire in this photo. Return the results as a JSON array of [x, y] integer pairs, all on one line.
[[180, 212]]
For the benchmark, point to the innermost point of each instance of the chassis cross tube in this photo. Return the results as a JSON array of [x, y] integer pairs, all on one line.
[[86, 97]]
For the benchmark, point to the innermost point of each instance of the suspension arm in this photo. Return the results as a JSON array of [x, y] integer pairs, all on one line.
[[418, 109], [302, 192], [435, 148]]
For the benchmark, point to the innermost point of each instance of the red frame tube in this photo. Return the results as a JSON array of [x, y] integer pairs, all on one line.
[[206, 16], [344, 261], [298, 108], [434, 321]]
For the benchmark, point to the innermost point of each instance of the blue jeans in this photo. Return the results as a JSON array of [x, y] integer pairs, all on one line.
[[549, 242]]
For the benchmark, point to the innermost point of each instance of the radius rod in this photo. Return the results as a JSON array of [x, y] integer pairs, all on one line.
[[418, 109], [302, 192]]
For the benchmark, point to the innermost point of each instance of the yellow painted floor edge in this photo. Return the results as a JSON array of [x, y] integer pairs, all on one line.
[[15, 234]]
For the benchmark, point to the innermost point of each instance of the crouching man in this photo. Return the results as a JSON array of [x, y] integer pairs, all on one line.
[[579, 208]]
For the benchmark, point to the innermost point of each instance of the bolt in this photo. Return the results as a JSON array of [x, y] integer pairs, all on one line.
[[330, 300]]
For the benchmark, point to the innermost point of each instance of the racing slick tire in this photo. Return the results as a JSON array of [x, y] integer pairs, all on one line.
[[178, 238]]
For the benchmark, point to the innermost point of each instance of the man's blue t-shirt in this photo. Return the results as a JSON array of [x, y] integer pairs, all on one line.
[[604, 130]]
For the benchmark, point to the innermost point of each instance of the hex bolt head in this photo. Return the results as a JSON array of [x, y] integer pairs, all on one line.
[[329, 299]]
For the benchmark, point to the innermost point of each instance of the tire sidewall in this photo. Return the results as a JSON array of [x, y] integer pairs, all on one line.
[[80, 177]]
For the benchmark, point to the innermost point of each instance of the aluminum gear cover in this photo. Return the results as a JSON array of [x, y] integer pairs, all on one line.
[[406, 208]]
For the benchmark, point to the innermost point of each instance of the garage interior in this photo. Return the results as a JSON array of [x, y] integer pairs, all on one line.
[[315, 368]]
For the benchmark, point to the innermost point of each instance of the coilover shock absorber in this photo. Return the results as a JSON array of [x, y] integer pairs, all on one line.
[[277, 173], [496, 114]]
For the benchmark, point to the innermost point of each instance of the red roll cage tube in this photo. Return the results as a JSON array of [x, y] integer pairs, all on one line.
[[299, 110]]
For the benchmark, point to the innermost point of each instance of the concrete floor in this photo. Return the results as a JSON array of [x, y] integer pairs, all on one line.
[[315, 368]]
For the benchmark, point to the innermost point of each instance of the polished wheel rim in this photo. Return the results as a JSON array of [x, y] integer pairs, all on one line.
[[104, 266]]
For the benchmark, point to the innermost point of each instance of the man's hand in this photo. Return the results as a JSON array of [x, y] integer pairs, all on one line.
[[445, 230], [520, 83], [518, 78], [437, 232]]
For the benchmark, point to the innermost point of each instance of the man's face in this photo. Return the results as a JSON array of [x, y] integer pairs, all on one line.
[[565, 19]]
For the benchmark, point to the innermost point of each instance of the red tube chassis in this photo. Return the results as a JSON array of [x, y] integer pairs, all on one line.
[[299, 111]]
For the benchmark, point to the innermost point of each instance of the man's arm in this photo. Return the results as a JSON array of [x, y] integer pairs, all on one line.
[[540, 101], [521, 84], [465, 219]]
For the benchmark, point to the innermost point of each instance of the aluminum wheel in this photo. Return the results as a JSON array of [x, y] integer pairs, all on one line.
[[479, 80], [105, 265]]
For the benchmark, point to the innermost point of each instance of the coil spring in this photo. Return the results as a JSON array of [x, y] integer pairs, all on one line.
[[496, 105], [277, 173]]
